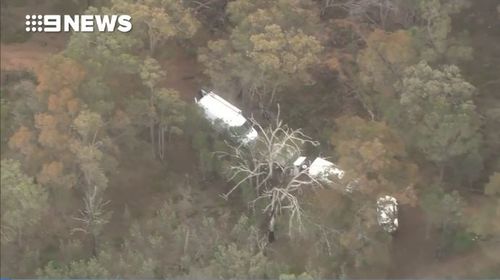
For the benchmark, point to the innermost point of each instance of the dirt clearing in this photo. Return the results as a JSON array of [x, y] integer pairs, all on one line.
[[30, 54]]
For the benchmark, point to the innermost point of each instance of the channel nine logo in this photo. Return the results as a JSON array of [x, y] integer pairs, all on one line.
[[78, 23]]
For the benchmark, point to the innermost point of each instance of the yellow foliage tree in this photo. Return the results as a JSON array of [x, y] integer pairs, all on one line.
[[58, 73], [374, 156], [22, 140], [385, 57], [50, 173]]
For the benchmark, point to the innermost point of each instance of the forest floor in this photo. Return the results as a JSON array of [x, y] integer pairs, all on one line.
[[413, 252], [182, 73], [30, 54]]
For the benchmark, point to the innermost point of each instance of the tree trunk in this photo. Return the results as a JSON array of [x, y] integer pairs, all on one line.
[[152, 135], [273, 93], [186, 241], [441, 173], [93, 241], [272, 225], [163, 142], [160, 151], [270, 237], [152, 41]]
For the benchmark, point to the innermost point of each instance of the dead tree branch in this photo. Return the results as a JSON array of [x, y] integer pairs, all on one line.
[[267, 167]]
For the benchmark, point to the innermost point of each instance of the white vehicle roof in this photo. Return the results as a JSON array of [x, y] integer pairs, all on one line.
[[217, 108], [322, 168]]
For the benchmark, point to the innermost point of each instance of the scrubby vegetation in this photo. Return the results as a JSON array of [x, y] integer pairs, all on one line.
[[108, 168]]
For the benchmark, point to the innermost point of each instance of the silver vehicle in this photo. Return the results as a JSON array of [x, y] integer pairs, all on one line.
[[387, 213], [230, 118]]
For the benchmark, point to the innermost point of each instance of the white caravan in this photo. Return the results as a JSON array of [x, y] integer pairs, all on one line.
[[218, 110]]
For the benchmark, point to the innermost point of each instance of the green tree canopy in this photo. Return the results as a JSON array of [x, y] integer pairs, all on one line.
[[386, 55], [268, 48], [87, 125], [104, 52], [434, 39], [438, 113], [161, 19], [23, 201]]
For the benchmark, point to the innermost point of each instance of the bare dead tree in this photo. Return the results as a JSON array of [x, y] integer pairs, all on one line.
[[267, 167], [285, 198], [93, 216], [269, 159], [379, 13]]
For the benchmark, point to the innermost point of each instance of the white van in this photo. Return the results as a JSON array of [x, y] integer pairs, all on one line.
[[217, 109]]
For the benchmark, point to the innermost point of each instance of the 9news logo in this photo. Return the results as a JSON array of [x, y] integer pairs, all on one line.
[[78, 23]]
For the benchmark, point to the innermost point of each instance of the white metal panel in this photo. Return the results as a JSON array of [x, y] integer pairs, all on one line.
[[217, 108], [298, 162], [322, 169]]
